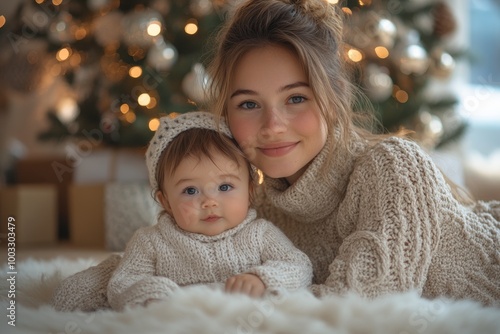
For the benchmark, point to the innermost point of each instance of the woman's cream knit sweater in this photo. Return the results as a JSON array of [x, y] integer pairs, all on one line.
[[384, 220]]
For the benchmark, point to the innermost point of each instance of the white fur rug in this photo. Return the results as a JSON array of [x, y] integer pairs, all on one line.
[[201, 310]]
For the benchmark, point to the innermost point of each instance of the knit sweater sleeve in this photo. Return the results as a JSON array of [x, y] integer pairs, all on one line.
[[389, 222], [134, 282], [283, 265]]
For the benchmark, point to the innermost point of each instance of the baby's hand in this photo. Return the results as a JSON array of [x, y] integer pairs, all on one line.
[[246, 283]]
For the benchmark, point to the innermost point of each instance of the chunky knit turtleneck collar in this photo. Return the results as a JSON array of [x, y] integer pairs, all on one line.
[[313, 196], [167, 222]]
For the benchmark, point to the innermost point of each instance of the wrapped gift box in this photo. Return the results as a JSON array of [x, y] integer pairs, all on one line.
[[107, 215], [43, 170], [86, 215], [34, 208]]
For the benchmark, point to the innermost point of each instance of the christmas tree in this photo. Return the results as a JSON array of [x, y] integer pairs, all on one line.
[[130, 62], [399, 48]]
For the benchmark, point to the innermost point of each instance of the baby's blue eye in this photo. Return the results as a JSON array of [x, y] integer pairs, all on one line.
[[190, 191], [297, 99], [225, 187]]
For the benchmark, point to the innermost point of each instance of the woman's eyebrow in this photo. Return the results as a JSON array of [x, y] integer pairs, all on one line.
[[243, 92], [282, 89]]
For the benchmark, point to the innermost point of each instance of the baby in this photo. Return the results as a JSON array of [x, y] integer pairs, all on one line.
[[207, 233]]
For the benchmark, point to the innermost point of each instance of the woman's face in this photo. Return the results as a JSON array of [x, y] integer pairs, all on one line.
[[273, 113]]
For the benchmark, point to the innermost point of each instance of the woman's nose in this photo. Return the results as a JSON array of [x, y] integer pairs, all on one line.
[[274, 123]]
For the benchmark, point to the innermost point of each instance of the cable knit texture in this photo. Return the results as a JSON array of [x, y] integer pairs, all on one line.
[[170, 127], [161, 258], [384, 220]]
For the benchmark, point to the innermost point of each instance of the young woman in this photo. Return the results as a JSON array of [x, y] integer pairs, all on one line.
[[373, 213]]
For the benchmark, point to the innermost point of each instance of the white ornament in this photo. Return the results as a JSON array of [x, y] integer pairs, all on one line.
[[413, 58], [442, 64], [162, 55], [377, 83], [62, 29], [195, 83], [369, 30], [135, 27]]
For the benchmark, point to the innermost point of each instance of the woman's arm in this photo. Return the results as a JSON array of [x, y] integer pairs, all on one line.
[[389, 222]]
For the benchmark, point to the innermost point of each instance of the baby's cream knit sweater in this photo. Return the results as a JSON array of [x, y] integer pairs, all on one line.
[[161, 258], [384, 220]]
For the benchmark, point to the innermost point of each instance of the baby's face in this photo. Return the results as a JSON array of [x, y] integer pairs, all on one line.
[[206, 196]]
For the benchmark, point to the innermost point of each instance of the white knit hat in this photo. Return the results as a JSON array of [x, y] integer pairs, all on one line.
[[171, 127]]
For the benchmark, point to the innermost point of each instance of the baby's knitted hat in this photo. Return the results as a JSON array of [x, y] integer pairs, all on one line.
[[171, 127]]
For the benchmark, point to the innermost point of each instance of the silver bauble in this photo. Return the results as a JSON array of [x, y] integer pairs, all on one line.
[[162, 55], [442, 64], [62, 29], [369, 30], [411, 55], [195, 83], [135, 27], [377, 83]]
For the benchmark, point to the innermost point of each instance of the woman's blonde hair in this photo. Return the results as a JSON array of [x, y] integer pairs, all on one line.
[[313, 31]]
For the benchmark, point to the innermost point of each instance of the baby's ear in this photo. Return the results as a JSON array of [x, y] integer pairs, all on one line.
[[163, 200]]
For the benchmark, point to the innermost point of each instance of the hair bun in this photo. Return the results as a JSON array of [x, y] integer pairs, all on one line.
[[317, 9]]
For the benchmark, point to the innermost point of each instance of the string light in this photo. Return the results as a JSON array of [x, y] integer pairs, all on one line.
[[130, 117], [75, 60], [401, 96], [382, 52], [154, 124], [124, 108], [144, 99], [152, 103], [191, 27], [2, 21], [154, 28], [56, 2], [347, 10], [135, 71], [355, 55], [80, 33], [63, 54], [67, 110]]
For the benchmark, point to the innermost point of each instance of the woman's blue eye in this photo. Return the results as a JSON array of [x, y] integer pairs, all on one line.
[[225, 187], [190, 191], [297, 99], [248, 105]]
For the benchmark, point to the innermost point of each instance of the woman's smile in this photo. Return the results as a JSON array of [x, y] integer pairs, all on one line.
[[278, 149]]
